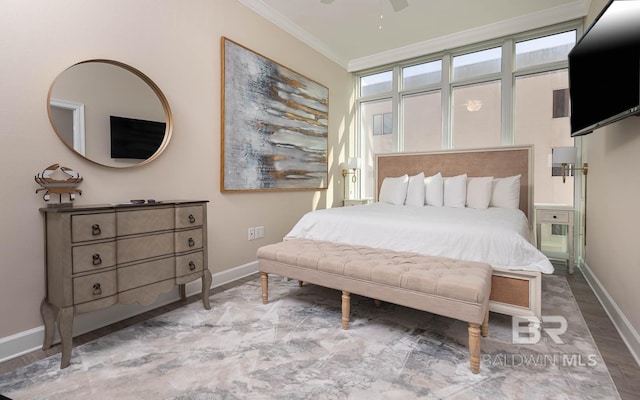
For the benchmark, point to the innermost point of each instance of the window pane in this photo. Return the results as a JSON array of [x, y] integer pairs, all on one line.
[[373, 144], [376, 83], [477, 64], [534, 124], [476, 115], [544, 50], [422, 74], [422, 122]]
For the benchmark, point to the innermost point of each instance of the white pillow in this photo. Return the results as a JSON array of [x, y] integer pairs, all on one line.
[[416, 190], [455, 191], [434, 190], [506, 192], [479, 192], [394, 190]]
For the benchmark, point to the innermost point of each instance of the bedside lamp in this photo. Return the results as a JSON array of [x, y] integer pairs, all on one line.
[[352, 166], [566, 156]]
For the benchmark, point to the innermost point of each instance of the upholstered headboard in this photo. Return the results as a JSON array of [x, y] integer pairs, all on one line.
[[498, 162]]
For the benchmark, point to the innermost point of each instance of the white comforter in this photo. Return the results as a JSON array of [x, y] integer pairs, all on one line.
[[496, 236]]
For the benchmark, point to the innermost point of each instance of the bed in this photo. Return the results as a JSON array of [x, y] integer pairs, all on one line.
[[498, 236]]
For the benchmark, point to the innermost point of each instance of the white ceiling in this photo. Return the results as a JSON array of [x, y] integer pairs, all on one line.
[[347, 31]]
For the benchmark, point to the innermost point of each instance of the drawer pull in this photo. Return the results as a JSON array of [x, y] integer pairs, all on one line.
[[95, 230], [191, 242], [96, 259], [97, 290], [192, 219], [192, 265]]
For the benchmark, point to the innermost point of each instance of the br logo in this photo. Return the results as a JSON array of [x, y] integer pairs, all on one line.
[[525, 331]]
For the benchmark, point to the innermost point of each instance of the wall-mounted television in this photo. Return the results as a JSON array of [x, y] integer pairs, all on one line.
[[604, 69], [135, 138]]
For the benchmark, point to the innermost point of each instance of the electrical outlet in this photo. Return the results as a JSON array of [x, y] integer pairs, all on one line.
[[259, 232], [251, 234]]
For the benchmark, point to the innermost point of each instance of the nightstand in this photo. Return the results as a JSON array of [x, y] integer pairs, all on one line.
[[559, 215], [356, 202]]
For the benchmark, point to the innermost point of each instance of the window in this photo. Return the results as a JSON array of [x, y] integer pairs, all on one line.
[[476, 115], [424, 74], [544, 50], [561, 103], [382, 124], [508, 91], [534, 124], [376, 83], [476, 64], [422, 121]]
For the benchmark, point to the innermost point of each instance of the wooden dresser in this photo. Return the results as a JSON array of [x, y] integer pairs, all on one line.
[[98, 256]]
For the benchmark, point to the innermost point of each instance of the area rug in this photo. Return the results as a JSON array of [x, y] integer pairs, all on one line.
[[294, 348]]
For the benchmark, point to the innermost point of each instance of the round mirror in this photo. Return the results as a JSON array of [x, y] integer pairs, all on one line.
[[110, 113]]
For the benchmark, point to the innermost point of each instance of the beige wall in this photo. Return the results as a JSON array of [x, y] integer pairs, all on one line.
[[613, 217], [177, 44]]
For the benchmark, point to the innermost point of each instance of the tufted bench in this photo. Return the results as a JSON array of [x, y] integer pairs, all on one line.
[[452, 288]]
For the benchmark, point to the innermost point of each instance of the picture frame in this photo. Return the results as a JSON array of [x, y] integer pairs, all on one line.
[[274, 125]]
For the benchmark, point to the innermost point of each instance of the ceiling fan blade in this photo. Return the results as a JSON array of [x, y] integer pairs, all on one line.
[[399, 4]]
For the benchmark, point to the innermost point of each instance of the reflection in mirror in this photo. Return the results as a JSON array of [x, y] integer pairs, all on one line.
[[110, 113]]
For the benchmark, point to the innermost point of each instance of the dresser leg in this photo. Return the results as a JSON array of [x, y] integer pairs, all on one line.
[[182, 292], [49, 319], [206, 285], [65, 329]]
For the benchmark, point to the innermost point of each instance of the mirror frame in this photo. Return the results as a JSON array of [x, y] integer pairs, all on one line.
[[161, 97]]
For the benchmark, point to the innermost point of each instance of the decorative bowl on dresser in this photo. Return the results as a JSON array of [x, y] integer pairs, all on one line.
[[101, 255]]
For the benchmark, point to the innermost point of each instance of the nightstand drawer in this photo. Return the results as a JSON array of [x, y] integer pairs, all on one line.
[[554, 217]]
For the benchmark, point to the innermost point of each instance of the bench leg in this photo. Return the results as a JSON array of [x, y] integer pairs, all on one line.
[[474, 347], [484, 329], [265, 287], [346, 308]]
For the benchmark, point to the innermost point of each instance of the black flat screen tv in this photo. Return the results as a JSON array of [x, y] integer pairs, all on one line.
[[604, 69], [135, 138]]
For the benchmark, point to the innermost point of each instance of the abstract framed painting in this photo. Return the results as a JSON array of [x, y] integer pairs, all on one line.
[[274, 125]]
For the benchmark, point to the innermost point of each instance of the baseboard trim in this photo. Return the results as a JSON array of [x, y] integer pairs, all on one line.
[[628, 333], [30, 340]]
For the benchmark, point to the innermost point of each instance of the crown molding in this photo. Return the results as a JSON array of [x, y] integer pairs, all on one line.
[[288, 26], [567, 12], [571, 11]]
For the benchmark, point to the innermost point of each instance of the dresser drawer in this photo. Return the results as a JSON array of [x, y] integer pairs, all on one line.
[[144, 247], [145, 220], [93, 227], [93, 287], [188, 240], [189, 264], [93, 256], [189, 216], [138, 275], [554, 217]]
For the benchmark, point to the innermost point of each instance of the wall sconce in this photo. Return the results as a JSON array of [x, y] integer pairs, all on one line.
[[566, 156], [352, 166]]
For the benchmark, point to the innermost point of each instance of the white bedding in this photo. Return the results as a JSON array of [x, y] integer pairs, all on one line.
[[497, 236]]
